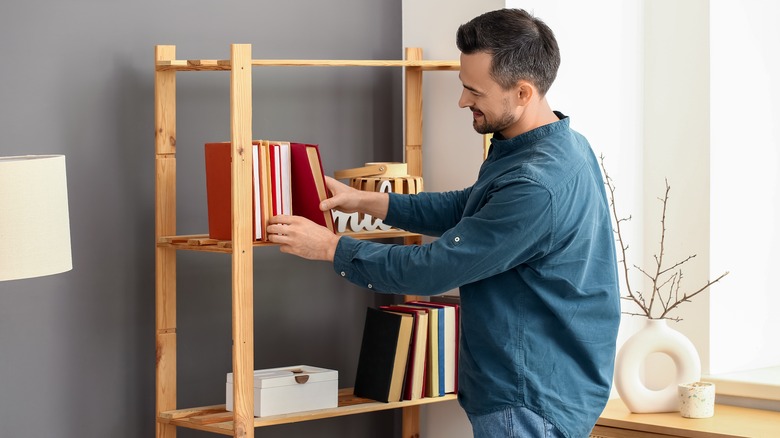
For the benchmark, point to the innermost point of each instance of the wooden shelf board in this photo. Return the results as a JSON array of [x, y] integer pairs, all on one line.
[[224, 64], [216, 419], [202, 242], [728, 421]]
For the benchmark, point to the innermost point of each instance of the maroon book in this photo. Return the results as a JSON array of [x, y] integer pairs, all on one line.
[[308, 184]]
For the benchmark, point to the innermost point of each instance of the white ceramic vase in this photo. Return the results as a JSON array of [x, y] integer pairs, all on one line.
[[655, 337]]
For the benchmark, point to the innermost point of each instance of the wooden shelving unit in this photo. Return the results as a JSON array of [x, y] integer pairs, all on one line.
[[241, 422]]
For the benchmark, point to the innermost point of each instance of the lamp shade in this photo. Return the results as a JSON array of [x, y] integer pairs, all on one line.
[[34, 223]]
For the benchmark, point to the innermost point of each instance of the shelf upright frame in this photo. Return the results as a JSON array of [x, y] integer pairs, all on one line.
[[242, 266], [165, 225], [413, 112], [413, 78]]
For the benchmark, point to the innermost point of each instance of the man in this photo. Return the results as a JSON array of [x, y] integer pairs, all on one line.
[[530, 245]]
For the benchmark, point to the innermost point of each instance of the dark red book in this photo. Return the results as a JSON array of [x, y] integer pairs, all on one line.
[[308, 184]]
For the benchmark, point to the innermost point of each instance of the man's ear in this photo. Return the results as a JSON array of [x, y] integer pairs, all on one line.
[[525, 92]]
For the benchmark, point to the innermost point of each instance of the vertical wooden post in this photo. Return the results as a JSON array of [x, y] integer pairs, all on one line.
[[411, 422], [413, 121], [486, 145], [413, 112], [242, 274], [165, 225]]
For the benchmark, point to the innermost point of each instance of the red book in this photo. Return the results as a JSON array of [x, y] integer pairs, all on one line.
[[218, 190], [308, 184]]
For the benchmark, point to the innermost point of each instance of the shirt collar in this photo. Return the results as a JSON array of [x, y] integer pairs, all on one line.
[[502, 146]]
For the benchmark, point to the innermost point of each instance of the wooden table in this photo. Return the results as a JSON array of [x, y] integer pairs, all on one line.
[[729, 421]]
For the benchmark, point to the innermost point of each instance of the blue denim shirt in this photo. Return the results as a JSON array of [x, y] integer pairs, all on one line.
[[531, 247]]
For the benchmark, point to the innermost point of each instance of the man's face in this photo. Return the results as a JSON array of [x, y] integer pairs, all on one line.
[[493, 108]]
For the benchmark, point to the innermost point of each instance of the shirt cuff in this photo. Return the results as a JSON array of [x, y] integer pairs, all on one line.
[[342, 258], [346, 252]]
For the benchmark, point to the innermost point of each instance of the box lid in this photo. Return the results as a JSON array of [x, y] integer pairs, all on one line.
[[292, 375]]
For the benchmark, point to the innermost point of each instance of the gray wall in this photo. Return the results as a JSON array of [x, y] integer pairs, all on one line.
[[77, 349]]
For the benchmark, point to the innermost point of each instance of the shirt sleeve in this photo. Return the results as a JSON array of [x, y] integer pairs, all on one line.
[[512, 227], [426, 213]]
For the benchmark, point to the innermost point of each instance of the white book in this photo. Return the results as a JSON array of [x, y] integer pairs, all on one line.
[[450, 349], [286, 178]]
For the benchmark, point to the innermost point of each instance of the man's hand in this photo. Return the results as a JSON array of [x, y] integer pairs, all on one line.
[[344, 198], [350, 200], [299, 236]]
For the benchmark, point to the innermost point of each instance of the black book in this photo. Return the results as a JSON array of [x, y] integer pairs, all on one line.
[[384, 352]]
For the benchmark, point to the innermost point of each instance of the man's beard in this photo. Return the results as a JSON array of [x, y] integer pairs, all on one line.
[[488, 127]]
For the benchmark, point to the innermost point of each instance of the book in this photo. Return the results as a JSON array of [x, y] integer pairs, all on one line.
[[414, 382], [280, 178], [432, 365], [454, 303], [448, 345], [384, 351], [286, 179], [308, 184], [218, 190], [257, 201], [441, 341]]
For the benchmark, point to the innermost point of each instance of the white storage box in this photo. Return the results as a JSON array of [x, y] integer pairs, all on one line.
[[290, 389]]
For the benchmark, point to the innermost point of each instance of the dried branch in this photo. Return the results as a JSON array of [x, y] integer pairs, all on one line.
[[623, 246], [678, 264], [665, 290], [687, 298], [659, 258]]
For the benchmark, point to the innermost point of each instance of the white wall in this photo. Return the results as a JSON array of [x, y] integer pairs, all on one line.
[[676, 147], [745, 190]]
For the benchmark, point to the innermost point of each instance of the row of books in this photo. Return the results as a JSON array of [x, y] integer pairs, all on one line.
[[409, 351], [287, 178]]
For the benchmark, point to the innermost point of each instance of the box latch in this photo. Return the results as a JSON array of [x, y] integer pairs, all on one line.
[[299, 376]]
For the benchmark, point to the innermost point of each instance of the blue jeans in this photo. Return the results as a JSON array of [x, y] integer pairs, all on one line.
[[513, 422]]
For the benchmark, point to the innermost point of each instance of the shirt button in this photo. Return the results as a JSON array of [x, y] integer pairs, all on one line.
[[457, 239], [370, 286], [343, 274]]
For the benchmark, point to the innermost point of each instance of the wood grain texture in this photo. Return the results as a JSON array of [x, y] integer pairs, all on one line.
[[728, 422], [242, 272], [413, 114], [165, 223]]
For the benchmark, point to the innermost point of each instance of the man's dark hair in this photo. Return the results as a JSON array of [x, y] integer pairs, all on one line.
[[522, 46]]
